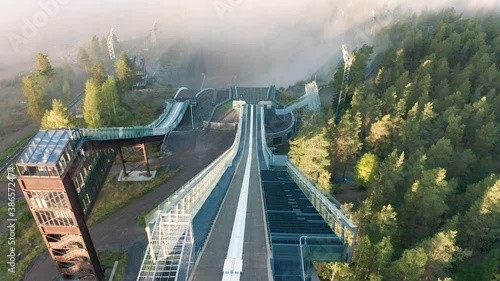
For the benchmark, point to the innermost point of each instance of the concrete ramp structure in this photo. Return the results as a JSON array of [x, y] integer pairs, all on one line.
[[310, 100], [249, 215]]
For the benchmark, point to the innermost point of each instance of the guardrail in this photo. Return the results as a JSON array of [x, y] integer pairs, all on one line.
[[190, 197], [269, 157], [328, 207], [292, 124], [132, 132], [268, 154]]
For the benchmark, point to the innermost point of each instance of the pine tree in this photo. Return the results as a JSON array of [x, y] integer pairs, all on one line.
[[481, 224], [368, 105], [384, 251], [345, 141], [425, 205], [389, 176], [124, 73], [57, 117], [43, 67], [98, 73], [95, 50], [382, 135], [410, 267], [442, 252], [36, 98], [66, 89], [84, 59]]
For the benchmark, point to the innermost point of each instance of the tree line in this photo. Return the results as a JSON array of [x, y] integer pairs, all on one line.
[[103, 91], [422, 125]]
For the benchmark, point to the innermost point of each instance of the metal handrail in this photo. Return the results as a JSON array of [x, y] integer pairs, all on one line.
[[134, 132], [327, 202]]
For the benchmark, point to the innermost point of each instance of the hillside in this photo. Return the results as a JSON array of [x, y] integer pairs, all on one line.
[[422, 124]]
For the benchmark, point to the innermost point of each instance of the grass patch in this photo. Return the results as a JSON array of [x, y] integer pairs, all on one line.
[[116, 195], [107, 260], [13, 106], [137, 112], [3, 212], [29, 244], [13, 147]]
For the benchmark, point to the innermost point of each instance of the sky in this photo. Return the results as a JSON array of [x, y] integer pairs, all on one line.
[[275, 41]]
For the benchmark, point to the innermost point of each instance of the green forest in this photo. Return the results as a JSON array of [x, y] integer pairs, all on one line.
[[421, 133]]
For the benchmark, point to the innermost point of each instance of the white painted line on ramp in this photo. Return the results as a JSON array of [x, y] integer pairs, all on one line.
[[233, 265]]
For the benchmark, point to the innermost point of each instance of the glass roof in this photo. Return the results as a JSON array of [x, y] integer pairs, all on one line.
[[46, 147]]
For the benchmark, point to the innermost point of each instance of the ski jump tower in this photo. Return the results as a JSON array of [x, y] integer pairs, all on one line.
[[60, 182]]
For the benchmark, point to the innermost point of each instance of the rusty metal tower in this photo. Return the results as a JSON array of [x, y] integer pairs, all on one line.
[[60, 181]]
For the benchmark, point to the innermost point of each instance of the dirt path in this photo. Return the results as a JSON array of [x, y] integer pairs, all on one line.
[[193, 150]]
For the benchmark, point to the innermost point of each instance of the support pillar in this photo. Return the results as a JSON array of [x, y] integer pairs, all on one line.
[[131, 159]]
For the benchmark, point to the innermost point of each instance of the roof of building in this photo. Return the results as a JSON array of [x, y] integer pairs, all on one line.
[[46, 147]]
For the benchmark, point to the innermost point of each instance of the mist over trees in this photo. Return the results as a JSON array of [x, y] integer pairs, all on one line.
[[422, 123]]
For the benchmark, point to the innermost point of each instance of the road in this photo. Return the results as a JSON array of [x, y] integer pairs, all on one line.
[[254, 253]]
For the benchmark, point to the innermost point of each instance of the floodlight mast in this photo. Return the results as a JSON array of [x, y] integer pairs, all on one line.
[[343, 88], [111, 48], [153, 35]]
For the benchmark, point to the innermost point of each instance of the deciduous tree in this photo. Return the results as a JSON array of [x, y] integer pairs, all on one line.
[[93, 104]]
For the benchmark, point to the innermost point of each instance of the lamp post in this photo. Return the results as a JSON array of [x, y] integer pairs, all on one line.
[[202, 81]]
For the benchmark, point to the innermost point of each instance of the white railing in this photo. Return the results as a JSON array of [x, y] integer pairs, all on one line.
[[309, 99], [179, 91], [325, 204], [268, 154], [328, 208]]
